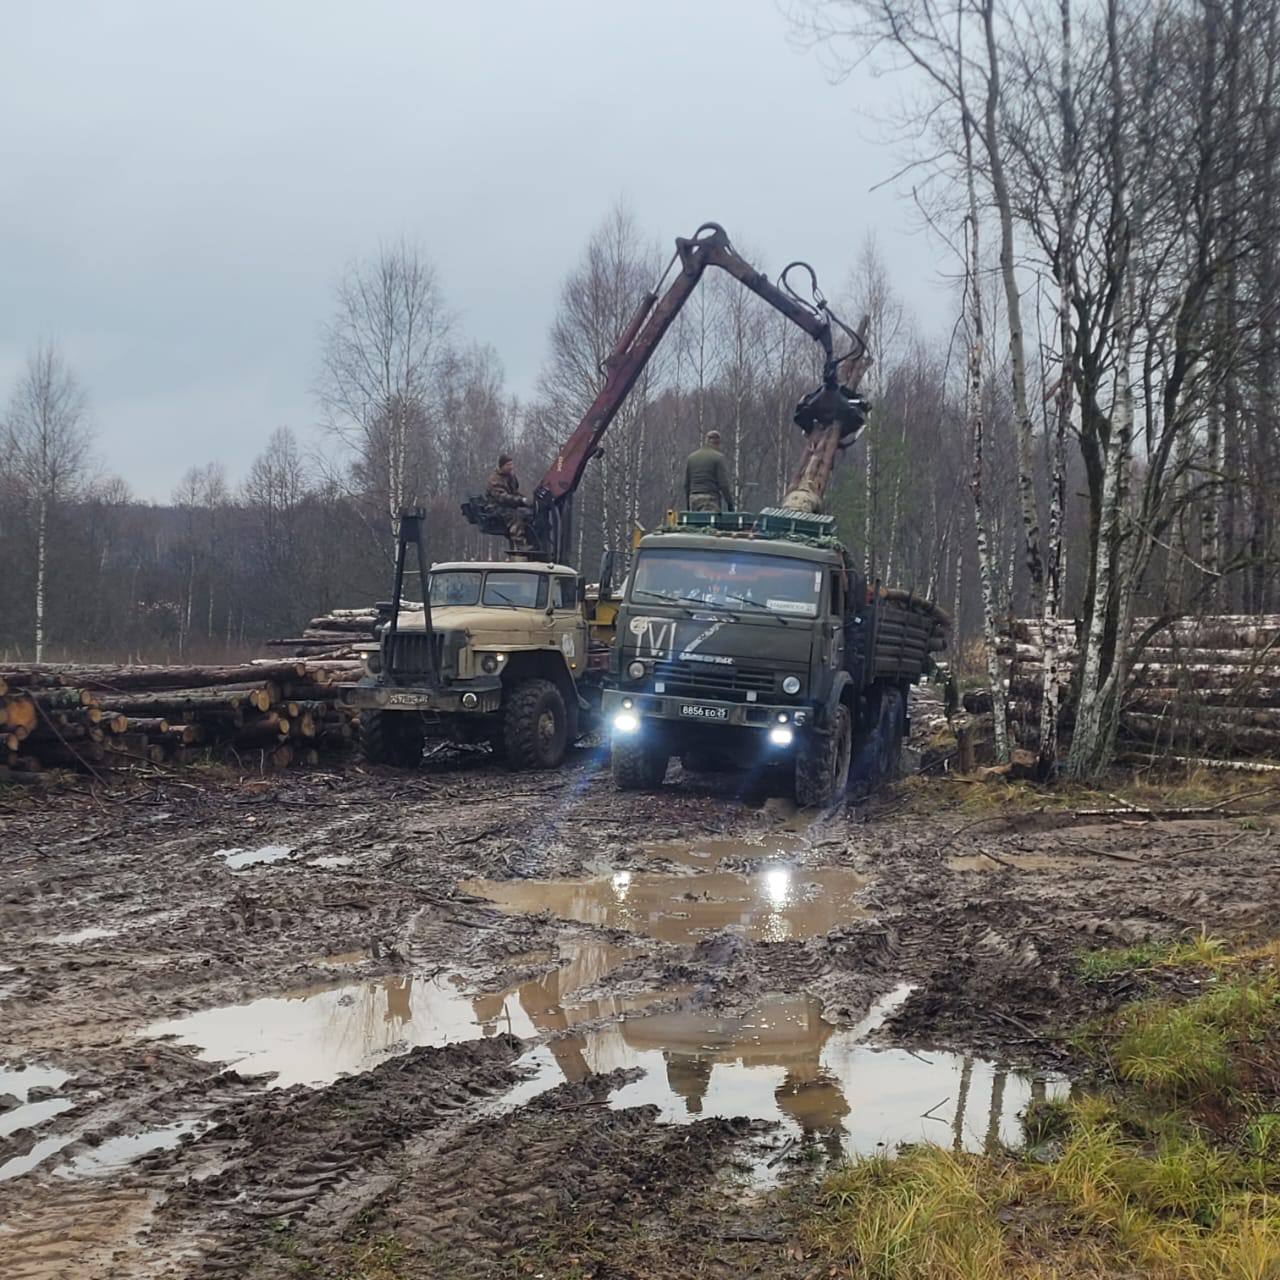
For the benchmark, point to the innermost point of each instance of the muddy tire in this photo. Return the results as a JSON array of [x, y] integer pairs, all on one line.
[[637, 766], [822, 763], [392, 737], [878, 757], [535, 726]]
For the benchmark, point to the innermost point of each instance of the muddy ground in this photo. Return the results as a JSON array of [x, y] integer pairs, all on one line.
[[463, 1023]]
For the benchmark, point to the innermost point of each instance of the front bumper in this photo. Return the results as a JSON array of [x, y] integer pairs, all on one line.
[[670, 707], [481, 695]]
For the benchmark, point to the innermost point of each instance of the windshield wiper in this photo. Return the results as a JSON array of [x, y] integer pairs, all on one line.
[[755, 604], [669, 596]]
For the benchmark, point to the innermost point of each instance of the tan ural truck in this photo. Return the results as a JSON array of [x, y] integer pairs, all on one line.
[[503, 654]]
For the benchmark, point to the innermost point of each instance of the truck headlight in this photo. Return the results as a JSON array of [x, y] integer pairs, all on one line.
[[626, 722], [373, 663], [791, 684], [636, 670], [489, 663], [780, 737]]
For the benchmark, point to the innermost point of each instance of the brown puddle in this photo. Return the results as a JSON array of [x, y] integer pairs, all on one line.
[[314, 1036], [784, 1063], [774, 904], [85, 1229], [114, 1154]]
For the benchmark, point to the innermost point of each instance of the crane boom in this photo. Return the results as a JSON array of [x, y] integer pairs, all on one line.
[[832, 407]]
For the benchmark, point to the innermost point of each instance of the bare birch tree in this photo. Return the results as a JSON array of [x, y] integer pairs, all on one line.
[[48, 440], [382, 353]]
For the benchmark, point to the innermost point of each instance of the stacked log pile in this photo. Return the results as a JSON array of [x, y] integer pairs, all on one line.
[[98, 717], [331, 635], [1205, 687]]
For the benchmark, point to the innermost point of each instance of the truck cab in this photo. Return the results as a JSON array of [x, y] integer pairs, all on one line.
[[507, 660]]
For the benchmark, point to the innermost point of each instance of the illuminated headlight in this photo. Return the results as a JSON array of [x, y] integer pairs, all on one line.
[[627, 704], [626, 722], [783, 717], [791, 684], [636, 671], [780, 737]]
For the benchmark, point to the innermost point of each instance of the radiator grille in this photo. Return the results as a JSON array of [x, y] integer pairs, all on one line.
[[406, 653], [711, 679]]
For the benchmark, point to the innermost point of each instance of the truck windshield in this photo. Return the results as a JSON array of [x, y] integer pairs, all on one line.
[[455, 588], [728, 578], [516, 590]]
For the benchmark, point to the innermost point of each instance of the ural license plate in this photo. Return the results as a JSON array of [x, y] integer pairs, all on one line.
[[414, 701], [696, 711]]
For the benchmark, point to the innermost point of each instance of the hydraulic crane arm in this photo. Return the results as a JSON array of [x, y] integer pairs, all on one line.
[[708, 247]]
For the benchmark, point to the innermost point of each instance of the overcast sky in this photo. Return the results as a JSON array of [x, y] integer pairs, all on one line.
[[182, 183]]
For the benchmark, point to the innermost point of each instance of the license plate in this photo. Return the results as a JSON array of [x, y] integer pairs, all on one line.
[[411, 700], [698, 712]]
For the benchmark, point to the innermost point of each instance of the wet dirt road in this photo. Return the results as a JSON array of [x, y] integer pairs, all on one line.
[[360, 1023]]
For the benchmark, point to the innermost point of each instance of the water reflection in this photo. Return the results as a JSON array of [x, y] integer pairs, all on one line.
[[315, 1035], [784, 1063]]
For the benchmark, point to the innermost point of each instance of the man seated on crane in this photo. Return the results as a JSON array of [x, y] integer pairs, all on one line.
[[503, 491], [706, 478]]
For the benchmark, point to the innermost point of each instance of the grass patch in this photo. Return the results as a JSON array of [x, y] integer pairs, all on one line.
[[1197, 950], [1221, 1047], [1169, 1169], [927, 1212]]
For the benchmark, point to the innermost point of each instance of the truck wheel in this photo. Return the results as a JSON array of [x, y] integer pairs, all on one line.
[[878, 757], [822, 763], [392, 737], [637, 766], [535, 726]]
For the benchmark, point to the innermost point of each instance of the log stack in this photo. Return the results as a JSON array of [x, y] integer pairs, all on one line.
[[1204, 687], [99, 717], [331, 635]]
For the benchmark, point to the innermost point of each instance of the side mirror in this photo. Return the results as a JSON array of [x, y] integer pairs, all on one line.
[[606, 574]]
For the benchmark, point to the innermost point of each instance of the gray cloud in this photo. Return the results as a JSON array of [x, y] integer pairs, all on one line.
[[183, 183]]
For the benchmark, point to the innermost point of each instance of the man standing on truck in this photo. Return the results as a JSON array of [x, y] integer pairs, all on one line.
[[706, 478], [504, 492]]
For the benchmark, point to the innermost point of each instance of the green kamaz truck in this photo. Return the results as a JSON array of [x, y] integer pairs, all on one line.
[[751, 642]]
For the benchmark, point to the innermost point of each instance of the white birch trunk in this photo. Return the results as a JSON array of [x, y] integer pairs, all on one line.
[[1013, 308], [973, 413], [1051, 699], [1094, 727], [42, 551]]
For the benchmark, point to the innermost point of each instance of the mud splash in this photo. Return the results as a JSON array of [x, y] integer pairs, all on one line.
[[1004, 861], [784, 1063], [92, 934], [332, 861], [238, 859], [777, 903], [701, 854], [318, 1034]]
